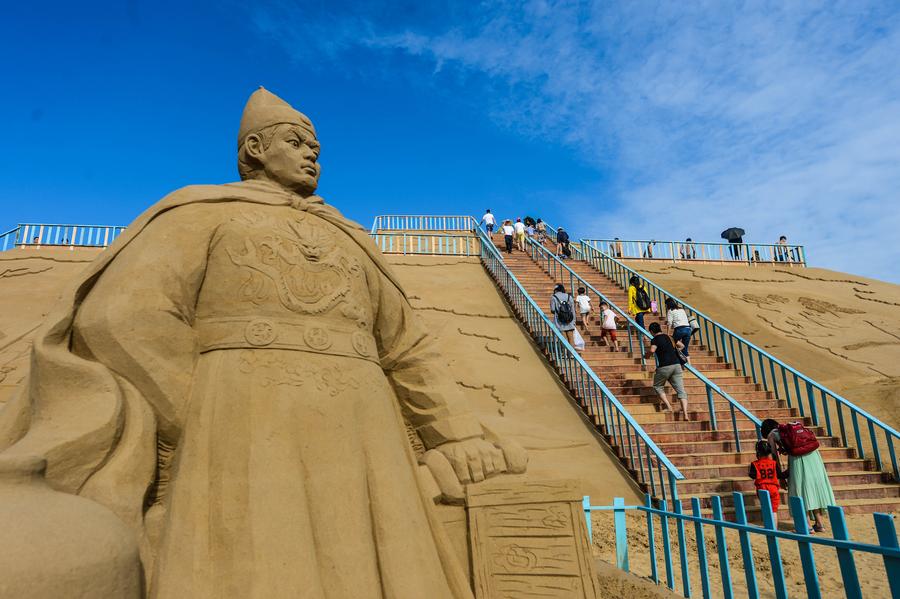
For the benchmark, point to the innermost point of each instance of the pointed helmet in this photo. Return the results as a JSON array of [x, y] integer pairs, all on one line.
[[265, 109]]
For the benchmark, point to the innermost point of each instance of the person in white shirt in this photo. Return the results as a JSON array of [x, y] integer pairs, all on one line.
[[608, 327], [584, 308], [508, 232], [489, 221], [519, 228], [679, 326]]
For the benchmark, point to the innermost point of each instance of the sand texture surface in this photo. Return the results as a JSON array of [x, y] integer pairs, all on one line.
[[508, 382], [842, 330], [30, 283]]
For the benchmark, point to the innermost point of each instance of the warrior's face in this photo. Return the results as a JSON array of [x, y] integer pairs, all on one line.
[[290, 158]]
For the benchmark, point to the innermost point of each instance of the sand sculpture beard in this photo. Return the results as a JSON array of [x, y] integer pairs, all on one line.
[[235, 375]]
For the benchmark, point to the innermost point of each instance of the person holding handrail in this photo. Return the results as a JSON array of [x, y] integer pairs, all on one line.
[[638, 299], [808, 478], [668, 368], [678, 325]]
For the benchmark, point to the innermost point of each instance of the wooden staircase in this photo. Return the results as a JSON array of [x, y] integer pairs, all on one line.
[[706, 457]]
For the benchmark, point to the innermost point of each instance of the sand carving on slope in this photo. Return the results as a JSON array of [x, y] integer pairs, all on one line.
[[234, 420], [479, 335], [22, 271], [456, 312], [492, 389]]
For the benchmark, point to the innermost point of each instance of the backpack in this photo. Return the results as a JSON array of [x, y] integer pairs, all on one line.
[[564, 313], [642, 299], [797, 439]]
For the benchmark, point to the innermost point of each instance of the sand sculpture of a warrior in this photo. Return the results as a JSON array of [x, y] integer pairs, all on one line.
[[234, 379]]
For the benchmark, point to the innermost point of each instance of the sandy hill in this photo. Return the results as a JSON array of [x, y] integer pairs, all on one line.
[[504, 375], [842, 330]]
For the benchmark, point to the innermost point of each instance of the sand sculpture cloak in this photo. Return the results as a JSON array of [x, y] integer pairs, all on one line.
[[231, 377]]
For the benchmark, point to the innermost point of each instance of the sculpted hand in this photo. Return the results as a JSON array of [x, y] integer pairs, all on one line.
[[457, 463]]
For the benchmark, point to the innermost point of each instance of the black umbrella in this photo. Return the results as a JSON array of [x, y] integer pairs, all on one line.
[[732, 233]]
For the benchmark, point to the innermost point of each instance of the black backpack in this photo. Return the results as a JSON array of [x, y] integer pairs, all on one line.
[[642, 299], [564, 313]]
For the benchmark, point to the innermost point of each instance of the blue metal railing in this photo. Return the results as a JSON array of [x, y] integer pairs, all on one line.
[[888, 547], [677, 251], [447, 244], [785, 382], [44, 234], [636, 447], [558, 269], [420, 222]]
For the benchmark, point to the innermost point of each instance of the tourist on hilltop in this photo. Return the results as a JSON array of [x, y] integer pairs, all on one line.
[[562, 244], [615, 248], [584, 308], [638, 299], [648, 252], [808, 478], [678, 324], [541, 228], [668, 368], [688, 250], [489, 221], [563, 308], [782, 254], [767, 475], [508, 232], [519, 229], [608, 327]]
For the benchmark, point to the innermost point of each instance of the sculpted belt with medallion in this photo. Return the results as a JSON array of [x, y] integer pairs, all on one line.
[[297, 333]]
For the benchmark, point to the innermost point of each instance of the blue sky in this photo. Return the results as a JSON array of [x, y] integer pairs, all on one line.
[[646, 119]]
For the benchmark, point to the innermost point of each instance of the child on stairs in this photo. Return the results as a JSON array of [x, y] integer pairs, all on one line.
[[767, 475]]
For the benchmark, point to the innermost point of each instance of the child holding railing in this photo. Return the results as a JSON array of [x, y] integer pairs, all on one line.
[[767, 475]]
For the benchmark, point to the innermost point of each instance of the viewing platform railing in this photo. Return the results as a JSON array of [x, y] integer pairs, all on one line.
[[694, 251], [42, 235], [561, 272], [636, 447], [437, 244], [774, 375], [419, 222]]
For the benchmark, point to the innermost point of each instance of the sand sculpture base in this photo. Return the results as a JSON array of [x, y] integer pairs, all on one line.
[[529, 540]]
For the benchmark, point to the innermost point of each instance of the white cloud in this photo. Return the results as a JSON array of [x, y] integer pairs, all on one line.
[[777, 117]]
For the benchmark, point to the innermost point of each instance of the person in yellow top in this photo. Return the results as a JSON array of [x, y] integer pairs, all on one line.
[[638, 300]]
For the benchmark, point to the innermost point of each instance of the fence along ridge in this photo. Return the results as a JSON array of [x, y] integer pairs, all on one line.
[[724, 339], [582, 379]]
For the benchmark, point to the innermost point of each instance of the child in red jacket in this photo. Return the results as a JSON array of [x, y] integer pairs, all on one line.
[[766, 474]]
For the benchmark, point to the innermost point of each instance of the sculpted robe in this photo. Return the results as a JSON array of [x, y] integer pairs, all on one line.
[[231, 378]]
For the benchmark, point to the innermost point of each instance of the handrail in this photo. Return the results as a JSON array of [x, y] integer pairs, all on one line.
[[7, 236], [702, 251], [557, 267], [887, 546], [756, 362], [444, 244], [423, 222], [619, 424]]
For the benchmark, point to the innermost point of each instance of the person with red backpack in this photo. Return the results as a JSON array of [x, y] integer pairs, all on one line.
[[767, 475], [808, 477]]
